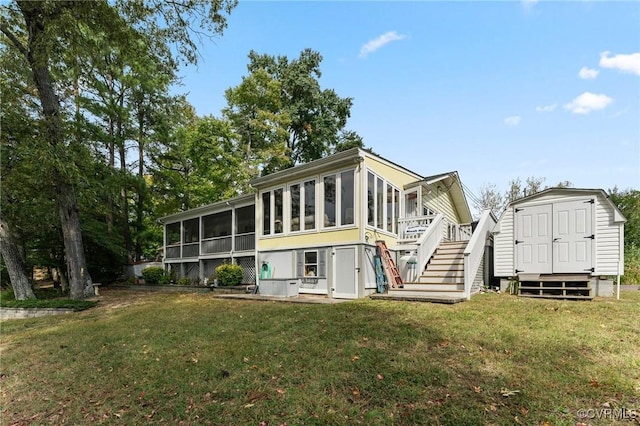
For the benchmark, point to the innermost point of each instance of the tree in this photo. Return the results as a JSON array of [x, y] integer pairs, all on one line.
[[491, 199], [46, 34], [281, 104], [628, 201]]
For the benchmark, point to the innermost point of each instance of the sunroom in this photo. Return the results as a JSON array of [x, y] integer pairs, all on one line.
[[199, 240]]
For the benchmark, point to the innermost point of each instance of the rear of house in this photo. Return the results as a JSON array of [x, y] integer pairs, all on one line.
[[559, 242], [316, 228]]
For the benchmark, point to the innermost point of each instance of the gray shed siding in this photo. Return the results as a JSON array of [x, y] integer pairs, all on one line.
[[608, 244], [503, 261], [609, 241]]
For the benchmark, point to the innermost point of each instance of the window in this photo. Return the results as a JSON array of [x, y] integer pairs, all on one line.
[[382, 203], [216, 225], [266, 213], [245, 220], [272, 208], [371, 183], [347, 197], [173, 234], [303, 206], [294, 190], [390, 218], [329, 201], [310, 263], [279, 210], [191, 231], [310, 204]]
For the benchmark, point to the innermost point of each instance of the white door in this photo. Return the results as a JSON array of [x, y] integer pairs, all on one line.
[[572, 237], [533, 239], [345, 280]]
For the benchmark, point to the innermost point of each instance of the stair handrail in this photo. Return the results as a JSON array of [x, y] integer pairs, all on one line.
[[474, 251], [429, 241]]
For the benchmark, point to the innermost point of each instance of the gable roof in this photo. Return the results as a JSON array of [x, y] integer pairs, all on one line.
[[451, 181], [617, 214]]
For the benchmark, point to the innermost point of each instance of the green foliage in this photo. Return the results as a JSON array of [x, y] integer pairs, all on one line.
[[46, 298], [155, 275], [187, 281], [229, 274]]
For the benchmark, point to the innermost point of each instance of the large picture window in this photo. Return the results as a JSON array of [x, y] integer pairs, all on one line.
[[329, 201], [338, 194], [272, 212], [303, 206], [347, 198], [382, 203]]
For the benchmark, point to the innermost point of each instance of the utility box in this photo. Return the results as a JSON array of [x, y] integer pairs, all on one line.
[[279, 287]]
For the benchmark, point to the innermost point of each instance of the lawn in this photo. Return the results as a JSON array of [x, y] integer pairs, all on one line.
[[192, 359]]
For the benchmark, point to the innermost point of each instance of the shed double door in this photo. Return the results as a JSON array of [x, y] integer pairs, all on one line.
[[554, 238]]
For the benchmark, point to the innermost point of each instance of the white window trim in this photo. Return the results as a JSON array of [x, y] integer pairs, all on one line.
[[338, 200], [385, 183]]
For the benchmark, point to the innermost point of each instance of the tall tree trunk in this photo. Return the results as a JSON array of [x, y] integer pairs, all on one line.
[[38, 58], [141, 183], [124, 194], [14, 263]]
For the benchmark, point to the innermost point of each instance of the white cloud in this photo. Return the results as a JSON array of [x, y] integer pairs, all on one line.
[[529, 4], [588, 102], [626, 63], [375, 44], [546, 108], [588, 73], [512, 121]]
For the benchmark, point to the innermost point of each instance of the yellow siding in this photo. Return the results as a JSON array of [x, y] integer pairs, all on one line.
[[321, 238], [394, 175], [441, 202]]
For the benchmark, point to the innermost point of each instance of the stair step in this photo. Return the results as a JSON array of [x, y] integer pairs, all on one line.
[[450, 249], [448, 273], [454, 243], [457, 261], [445, 267], [441, 280], [434, 286], [448, 257]]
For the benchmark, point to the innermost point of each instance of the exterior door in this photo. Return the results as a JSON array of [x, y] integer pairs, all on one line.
[[572, 237], [345, 280], [533, 239]]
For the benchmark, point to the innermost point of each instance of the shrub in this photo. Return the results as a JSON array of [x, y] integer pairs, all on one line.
[[155, 275], [229, 274], [185, 281]]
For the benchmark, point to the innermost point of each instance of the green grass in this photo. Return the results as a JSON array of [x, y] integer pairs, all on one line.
[[194, 359], [46, 298]]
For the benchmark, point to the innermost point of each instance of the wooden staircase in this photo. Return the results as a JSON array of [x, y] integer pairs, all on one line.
[[443, 278]]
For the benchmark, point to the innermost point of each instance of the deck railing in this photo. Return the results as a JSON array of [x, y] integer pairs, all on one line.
[[429, 242], [216, 245], [412, 228], [245, 241], [474, 251]]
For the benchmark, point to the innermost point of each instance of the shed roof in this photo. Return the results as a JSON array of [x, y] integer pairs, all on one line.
[[617, 214]]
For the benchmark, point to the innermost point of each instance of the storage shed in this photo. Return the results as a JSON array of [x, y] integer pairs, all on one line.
[[559, 242]]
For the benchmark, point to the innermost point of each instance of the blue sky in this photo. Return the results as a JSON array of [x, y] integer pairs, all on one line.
[[494, 90]]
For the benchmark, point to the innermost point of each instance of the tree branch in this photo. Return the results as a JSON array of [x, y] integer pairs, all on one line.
[[13, 39]]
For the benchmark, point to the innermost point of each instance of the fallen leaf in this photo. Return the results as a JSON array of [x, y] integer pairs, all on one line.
[[355, 358], [263, 423], [594, 383], [507, 392], [524, 411], [280, 391], [356, 392], [249, 405], [477, 389], [379, 376]]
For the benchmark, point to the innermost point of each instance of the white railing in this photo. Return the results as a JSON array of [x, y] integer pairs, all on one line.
[[460, 231], [474, 252], [427, 244], [412, 228]]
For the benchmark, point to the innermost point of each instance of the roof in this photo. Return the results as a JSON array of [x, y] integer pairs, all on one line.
[[451, 180], [240, 199], [617, 214], [350, 156]]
